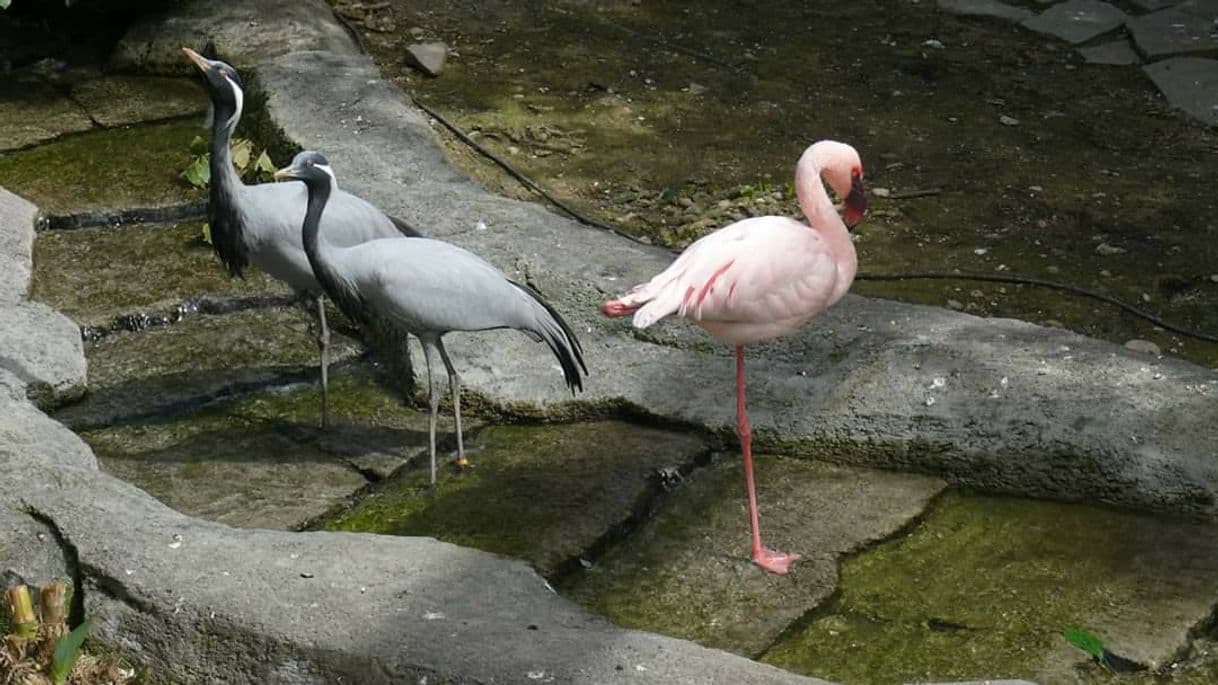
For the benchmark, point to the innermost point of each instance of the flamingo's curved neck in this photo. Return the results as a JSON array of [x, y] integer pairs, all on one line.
[[822, 215]]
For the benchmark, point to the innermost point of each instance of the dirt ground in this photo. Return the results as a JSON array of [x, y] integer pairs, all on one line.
[[987, 148]]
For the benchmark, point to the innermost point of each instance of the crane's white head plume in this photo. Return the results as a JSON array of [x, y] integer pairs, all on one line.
[[224, 85], [311, 167]]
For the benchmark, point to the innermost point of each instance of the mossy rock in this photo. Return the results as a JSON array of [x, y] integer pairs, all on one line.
[[985, 586], [106, 171]]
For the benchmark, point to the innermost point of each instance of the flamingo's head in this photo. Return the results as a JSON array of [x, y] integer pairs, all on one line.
[[844, 174]]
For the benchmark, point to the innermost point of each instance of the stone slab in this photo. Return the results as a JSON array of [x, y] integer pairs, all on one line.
[[324, 607], [1173, 32], [1077, 21], [1202, 8], [986, 8], [1190, 84], [242, 32], [1116, 53], [686, 571], [119, 100], [872, 382], [260, 460], [42, 348], [33, 111], [17, 217]]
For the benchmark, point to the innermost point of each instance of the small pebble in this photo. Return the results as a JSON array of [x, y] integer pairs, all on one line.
[[881, 192], [1008, 121], [1143, 346]]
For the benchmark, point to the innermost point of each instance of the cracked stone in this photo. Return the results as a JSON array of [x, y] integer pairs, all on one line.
[[1173, 32], [686, 572], [1077, 21], [541, 493]]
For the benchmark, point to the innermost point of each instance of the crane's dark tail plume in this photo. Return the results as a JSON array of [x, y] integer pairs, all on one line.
[[405, 228], [561, 340]]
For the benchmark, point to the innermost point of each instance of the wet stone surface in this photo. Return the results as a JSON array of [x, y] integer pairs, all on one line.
[[261, 461], [687, 571], [545, 494], [105, 171], [177, 367], [96, 274], [118, 100], [986, 585], [1077, 21]]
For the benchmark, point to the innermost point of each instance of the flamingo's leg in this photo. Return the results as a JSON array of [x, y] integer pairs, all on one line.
[[768, 559]]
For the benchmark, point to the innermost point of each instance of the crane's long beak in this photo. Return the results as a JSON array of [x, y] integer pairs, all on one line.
[[199, 60], [288, 173], [856, 204]]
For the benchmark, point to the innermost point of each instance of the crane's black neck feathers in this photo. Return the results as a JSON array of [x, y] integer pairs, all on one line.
[[225, 221], [341, 293]]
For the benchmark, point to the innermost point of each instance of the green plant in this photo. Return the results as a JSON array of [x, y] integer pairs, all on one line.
[[252, 168], [67, 651], [198, 173]]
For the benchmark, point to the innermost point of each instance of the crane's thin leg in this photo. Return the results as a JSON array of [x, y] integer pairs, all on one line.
[[768, 559], [433, 402], [454, 384], [323, 345]]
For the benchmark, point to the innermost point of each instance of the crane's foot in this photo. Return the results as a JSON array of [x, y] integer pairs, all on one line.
[[778, 563], [463, 464]]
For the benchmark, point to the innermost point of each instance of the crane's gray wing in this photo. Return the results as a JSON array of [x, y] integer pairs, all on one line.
[[431, 286]]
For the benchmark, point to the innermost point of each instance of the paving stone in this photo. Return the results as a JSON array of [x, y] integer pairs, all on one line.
[[687, 571], [1077, 21], [1173, 32], [118, 100], [986, 585], [1117, 52], [986, 8], [1189, 83]]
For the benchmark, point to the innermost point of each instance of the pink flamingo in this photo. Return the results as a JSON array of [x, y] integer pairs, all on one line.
[[762, 278]]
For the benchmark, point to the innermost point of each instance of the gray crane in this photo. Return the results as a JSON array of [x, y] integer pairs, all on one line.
[[425, 287], [260, 224]]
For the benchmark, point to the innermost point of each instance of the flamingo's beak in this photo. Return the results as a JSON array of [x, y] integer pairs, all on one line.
[[856, 204]]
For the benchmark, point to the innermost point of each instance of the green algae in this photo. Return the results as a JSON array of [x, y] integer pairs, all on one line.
[[687, 572], [95, 274], [985, 586], [541, 493], [106, 170]]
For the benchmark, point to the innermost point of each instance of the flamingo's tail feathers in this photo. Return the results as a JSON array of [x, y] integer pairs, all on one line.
[[550, 328]]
